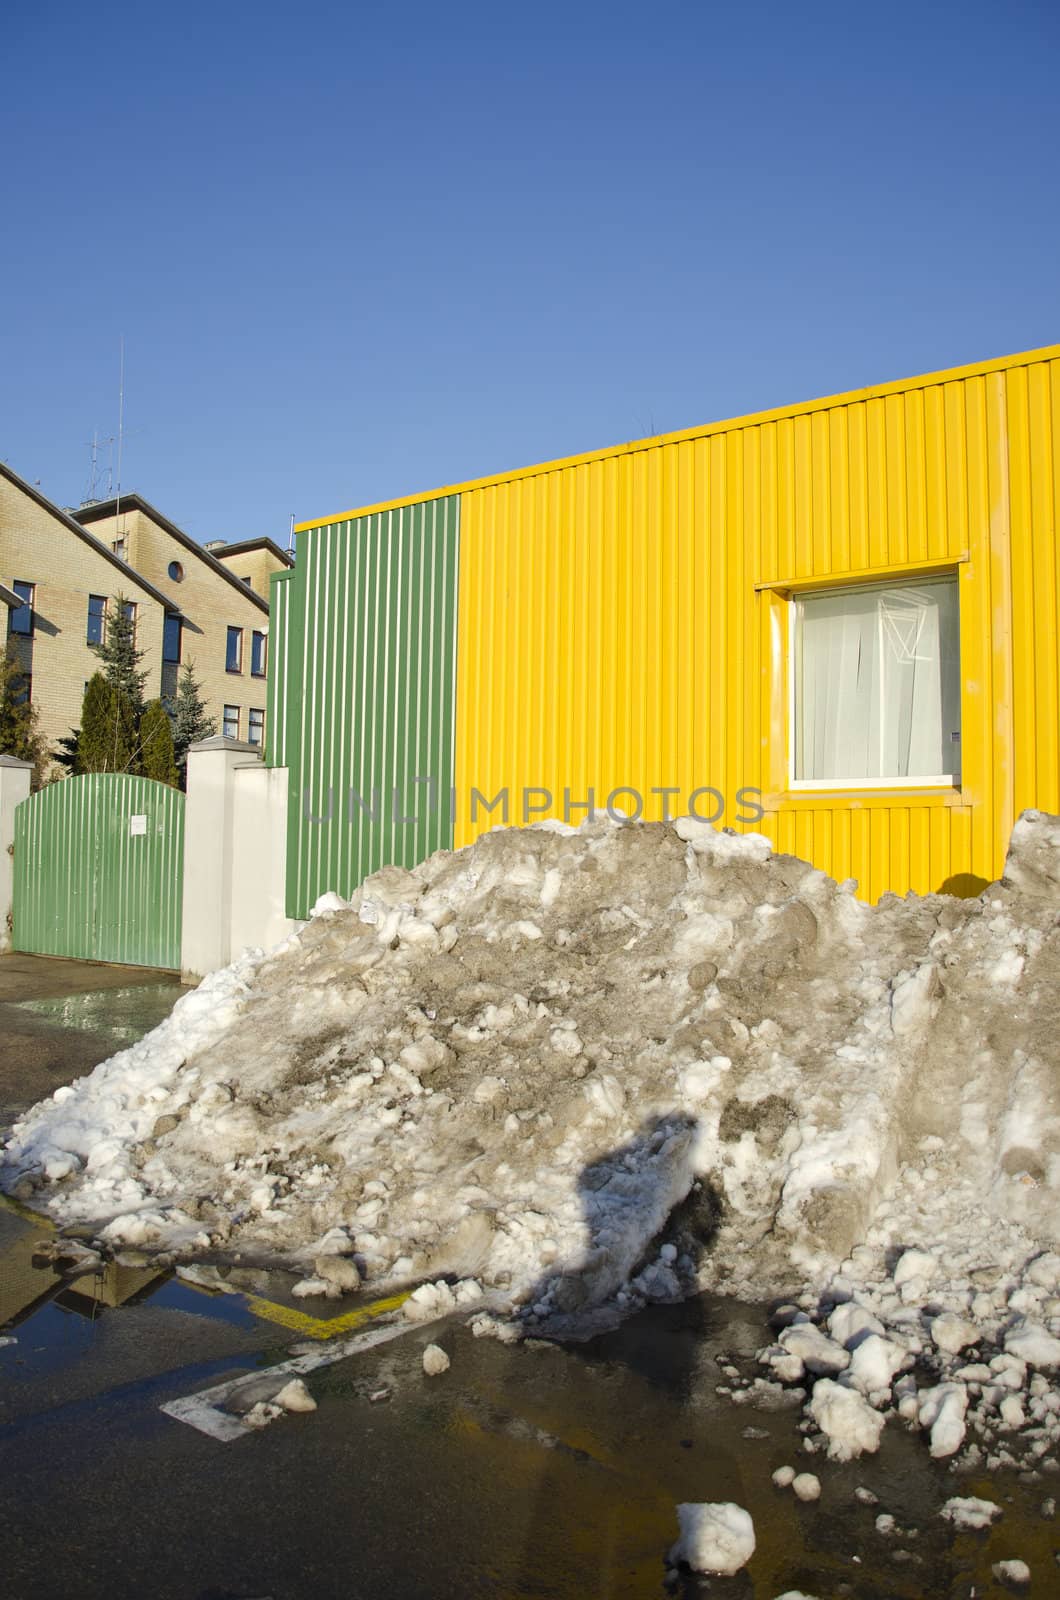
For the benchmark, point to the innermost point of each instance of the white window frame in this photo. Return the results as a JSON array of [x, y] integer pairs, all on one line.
[[832, 785]]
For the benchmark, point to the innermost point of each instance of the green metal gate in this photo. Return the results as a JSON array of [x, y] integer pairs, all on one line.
[[98, 870]]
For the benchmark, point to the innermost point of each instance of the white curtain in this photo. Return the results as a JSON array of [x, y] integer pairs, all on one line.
[[877, 683]]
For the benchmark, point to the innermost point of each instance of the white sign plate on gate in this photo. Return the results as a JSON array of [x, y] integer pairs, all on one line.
[[137, 824]]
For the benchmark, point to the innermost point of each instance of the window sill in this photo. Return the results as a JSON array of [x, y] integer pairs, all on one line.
[[869, 799], [234, 672]]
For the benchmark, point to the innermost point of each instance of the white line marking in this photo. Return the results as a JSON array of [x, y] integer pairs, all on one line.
[[203, 1410]]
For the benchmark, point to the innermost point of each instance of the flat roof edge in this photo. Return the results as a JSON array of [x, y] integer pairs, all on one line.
[[751, 419]]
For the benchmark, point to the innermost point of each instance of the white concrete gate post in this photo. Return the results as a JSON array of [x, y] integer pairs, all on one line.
[[14, 788], [206, 936], [235, 856]]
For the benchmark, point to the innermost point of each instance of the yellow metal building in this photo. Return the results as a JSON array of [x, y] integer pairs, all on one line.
[[816, 602]]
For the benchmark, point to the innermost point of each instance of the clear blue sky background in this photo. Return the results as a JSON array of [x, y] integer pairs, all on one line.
[[358, 251]]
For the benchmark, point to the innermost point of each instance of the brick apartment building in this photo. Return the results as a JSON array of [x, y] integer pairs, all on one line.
[[60, 570]]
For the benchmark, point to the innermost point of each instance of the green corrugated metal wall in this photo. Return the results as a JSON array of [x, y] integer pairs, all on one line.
[[369, 674], [89, 887]]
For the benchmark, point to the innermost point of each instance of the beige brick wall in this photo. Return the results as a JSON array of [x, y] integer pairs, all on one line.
[[257, 565], [210, 603], [36, 547]]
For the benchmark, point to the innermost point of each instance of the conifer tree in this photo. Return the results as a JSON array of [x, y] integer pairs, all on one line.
[[191, 721], [156, 745], [20, 733], [67, 754], [120, 657], [107, 741]]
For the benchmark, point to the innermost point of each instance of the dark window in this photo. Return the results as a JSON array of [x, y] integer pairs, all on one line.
[[22, 689], [234, 651], [257, 654], [256, 727], [248, 581], [21, 617], [97, 607], [118, 546], [230, 726], [176, 571], [171, 638]]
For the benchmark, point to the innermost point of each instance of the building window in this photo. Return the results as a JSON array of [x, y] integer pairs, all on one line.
[[97, 610], [22, 689], [20, 618], [176, 571], [257, 654], [118, 546], [171, 632], [234, 651], [128, 611], [230, 725], [877, 685], [255, 726], [248, 581]]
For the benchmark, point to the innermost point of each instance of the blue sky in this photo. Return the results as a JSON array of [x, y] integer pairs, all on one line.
[[356, 252]]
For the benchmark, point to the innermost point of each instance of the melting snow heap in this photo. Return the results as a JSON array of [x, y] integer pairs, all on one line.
[[590, 1067]]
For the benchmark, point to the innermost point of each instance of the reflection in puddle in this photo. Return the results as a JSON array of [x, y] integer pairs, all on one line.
[[122, 1015], [585, 1450]]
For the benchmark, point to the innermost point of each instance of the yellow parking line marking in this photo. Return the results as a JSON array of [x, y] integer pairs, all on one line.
[[38, 1219], [322, 1327]]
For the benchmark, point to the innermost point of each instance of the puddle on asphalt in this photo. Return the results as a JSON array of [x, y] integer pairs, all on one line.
[[121, 1015], [586, 1450]]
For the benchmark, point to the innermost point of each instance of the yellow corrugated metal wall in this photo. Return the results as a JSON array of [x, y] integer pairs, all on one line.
[[623, 618]]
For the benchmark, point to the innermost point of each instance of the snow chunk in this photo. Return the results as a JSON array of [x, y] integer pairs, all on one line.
[[294, 1396], [806, 1486], [952, 1333], [814, 1349], [875, 1362], [718, 1537], [1016, 1574], [852, 1426], [942, 1410], [435, 1360], [968, 1512], [429, 1301], [1032, 1344]]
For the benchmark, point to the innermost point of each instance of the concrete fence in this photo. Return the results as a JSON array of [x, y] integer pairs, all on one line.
[[14, 788], [235, 853]]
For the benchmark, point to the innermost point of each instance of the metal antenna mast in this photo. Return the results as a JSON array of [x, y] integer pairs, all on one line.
[[121, 425], [97, 471]]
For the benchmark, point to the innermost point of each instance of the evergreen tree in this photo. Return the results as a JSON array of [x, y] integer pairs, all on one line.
[[20, 734], [120, 657], [66, 753], [156, 745], [191, 721], [107, 741]]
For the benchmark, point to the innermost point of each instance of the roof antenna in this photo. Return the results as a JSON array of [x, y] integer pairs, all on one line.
[[121, 424], [93, 494], [290, 539]]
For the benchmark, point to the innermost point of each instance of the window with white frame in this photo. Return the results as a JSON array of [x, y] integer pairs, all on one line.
[[256, 725], [877, 685], [230, 724]]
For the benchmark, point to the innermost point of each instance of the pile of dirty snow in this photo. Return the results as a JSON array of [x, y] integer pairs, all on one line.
[[598, 1066]]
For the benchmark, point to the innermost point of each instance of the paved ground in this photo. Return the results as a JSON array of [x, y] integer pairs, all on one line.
[[59, 1018]]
